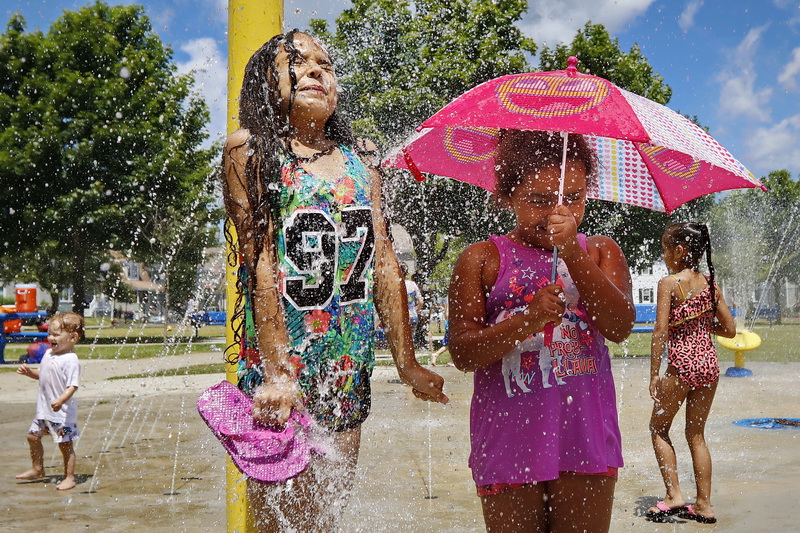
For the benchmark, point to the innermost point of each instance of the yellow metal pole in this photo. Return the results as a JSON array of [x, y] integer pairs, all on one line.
[[251, 23]]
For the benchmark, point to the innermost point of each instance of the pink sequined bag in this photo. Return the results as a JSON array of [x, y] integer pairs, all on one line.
[[260, 452]]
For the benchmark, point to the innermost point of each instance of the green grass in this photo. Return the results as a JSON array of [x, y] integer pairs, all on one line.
[[133, 341], [779, 344], [100, 330], [191, 370], [123, 351]]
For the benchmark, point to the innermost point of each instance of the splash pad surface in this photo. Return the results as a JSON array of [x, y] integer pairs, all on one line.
[[139, 485]]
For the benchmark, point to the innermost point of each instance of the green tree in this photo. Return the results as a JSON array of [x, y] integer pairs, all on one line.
[[397, 67], [172, 239], [96, 128], [637, 230], [756, 239]]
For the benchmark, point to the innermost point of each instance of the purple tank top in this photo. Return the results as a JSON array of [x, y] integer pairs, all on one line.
[[542, 410]]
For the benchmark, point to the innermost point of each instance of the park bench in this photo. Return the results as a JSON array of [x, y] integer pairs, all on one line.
[[20, 336], [769, 314]]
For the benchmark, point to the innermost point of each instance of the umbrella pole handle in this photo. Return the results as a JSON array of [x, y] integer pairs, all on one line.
[[565, 136], [548, 329]]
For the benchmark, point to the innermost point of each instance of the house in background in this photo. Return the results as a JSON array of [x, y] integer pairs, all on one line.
[[149, 294], [645, 291], [645, 283]]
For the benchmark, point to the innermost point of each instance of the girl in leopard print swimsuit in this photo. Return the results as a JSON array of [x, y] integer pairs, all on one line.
[[690, 309]]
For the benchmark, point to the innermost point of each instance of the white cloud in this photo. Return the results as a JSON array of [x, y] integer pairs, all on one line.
[[209, 64], [686, 20], [789, 74], [739, 96], [550, 23], [220, 8], [775, 147]]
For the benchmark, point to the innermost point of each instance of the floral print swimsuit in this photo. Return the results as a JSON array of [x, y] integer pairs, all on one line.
[[691, 351], [326, 259]]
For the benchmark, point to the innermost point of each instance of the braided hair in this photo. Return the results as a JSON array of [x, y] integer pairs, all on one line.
[[697, 241]]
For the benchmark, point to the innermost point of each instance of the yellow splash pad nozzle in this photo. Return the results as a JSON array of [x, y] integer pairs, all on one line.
[[744, 341]]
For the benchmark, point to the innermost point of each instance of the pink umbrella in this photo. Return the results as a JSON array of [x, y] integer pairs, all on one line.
[[649, 155]]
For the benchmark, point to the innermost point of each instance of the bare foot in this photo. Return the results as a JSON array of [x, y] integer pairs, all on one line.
[[31, 474], [673, 507], [704, 509], [66, 484]]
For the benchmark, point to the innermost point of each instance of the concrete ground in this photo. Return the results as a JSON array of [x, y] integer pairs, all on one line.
[[147, 462]]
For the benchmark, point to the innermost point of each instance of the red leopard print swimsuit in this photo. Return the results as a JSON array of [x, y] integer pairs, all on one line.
[[691, 350]]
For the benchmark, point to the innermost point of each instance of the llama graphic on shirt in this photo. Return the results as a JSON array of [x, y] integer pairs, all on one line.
[[564, 356], [551, 359], [550, 363], [512, 363]]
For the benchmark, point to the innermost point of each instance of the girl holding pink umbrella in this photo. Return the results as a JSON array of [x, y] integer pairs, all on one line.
[[544, 450], [636, 152]]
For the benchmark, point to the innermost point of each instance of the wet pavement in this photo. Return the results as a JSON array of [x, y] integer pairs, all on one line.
[[147, 462]]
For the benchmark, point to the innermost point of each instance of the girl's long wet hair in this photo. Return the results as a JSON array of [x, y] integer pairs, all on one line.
[[269, 147], [697, 241], [270, 130]]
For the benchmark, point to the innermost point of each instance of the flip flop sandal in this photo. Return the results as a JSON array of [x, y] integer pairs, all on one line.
[[688, 513], [664, 511]]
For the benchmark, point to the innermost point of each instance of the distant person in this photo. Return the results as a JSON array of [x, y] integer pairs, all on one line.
[[690, 309], [415, 302], [56, 405], [545, 439], [422, 336], [443, 348], [305, 196]]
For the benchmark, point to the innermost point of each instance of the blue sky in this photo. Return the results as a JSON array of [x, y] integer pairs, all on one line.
[[733, 63]]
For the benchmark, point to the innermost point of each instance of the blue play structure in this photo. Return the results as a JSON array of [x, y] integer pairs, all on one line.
[[206, 318], [24, 336], [645, 318]]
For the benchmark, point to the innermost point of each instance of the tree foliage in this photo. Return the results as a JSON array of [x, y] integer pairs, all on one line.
[[600, 55], [96, 130], [114, 286], [755, 235], [397, 67], [637, 230]]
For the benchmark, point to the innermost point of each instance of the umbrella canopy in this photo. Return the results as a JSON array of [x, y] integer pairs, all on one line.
[[649, 155]]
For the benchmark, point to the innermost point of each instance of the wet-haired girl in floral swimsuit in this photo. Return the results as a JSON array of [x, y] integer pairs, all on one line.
[[315, 254], [690, 309]]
